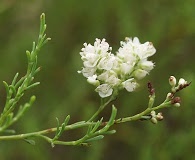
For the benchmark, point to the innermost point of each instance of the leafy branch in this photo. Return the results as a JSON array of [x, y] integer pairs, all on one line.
[[16, 89], [97, 130]]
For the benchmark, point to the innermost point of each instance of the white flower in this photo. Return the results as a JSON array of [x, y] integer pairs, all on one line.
[[126, 68], [104, 90], [136, 48], [109, 77], [133, 55], [126, 53], [113, 80], [88, 72], [130, 85], [146, 65], [91, 54], [109, 71], [90, 60], [93, 80], [146, 50], [104, 76], [102, 47], [139, 73], [107, 62]]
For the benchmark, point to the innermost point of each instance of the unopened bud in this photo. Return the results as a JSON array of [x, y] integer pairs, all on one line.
[[154, 120], [172, 81], [169, 96], [153, 113], [176, 105], [159, 116], [176, 100], [182, 82]]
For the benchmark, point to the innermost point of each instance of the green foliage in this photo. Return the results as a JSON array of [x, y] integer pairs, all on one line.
[[15, 91]]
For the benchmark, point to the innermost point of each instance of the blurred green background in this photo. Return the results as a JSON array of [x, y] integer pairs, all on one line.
[[170, 25]]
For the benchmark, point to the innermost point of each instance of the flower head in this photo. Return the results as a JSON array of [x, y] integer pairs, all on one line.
[[108, 71], [134, 56]]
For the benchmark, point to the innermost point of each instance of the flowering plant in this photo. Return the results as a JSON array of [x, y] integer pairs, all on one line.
[[108, 72]]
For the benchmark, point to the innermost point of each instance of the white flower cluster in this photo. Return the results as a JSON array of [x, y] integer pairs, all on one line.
[[109, 72]]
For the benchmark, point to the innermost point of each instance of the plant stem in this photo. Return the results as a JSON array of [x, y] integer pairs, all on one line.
[[46, 131], [102, 106], [145, 112], [80, 125]]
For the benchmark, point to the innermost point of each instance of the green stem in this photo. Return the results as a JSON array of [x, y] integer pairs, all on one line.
[[102, 106], [46, 131], [145, 112], [72, 143], [80, 125]]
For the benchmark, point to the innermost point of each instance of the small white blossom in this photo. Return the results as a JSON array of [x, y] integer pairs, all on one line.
[[113, 80], [130, 85], [104, 90], [140, 73], [126, 68], [93, 80], [92, 54], [109, 77], [146, 65], [146, 50], [107, 62], [104, 76], [90, 60], [88, 72], [102, 47], [135, 47]]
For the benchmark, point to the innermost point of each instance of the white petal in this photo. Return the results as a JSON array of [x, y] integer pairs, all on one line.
[[92, 80], [104, 90], [146, 65], [88, 72], [130, 85], [140, 73]]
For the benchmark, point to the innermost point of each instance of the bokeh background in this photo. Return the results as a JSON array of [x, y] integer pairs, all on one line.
[[170, 25]]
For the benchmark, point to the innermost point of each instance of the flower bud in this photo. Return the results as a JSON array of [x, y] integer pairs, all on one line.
[[176, 105], [169, 96], [176, 100], [182, 82], [172, 81], [154, 120], [153, 113], [159, 116]]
